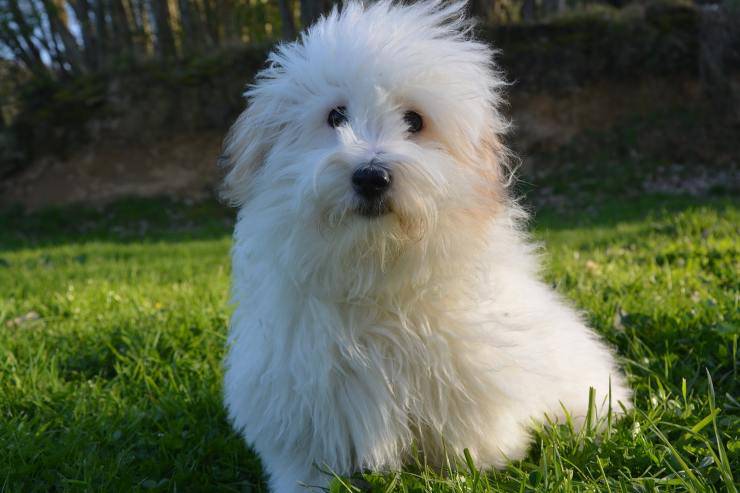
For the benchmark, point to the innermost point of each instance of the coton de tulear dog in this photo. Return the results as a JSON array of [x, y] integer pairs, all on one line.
[[387, 299]]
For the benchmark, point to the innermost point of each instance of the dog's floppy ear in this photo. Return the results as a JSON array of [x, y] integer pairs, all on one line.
[[245, 149], [494, 163]]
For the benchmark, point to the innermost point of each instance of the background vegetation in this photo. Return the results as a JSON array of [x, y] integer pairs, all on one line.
[[71, 37], [79, 71]]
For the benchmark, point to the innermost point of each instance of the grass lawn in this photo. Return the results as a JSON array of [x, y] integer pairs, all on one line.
[[113, 321]]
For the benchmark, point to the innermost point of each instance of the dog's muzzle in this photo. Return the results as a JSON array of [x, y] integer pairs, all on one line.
[[371, 183]]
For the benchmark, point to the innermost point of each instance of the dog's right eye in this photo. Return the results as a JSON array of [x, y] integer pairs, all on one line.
[[337, 117]]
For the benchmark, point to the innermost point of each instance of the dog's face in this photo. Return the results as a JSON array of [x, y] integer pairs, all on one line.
[[380, 123]]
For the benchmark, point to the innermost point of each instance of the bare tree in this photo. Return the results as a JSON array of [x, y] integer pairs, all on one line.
[[58, 28], [189, 27], [83, 13], [482, 9], [39, 34], [287, 23], [121, 28], [312, 10], [17, 34], [165, 41], [210, 20], [528, 10], [552, 7]]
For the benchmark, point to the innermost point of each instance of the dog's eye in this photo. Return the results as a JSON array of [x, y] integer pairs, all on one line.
[[413, 121], [337, 117]]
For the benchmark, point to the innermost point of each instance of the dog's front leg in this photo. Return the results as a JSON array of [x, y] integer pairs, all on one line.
[[293, 473]]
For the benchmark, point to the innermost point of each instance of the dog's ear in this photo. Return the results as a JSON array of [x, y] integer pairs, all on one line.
[[494, 160], [245, 149]]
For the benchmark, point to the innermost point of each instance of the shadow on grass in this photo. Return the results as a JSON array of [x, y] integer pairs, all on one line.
[[167, 442], [612, 211], [128, 221], [137, 220]]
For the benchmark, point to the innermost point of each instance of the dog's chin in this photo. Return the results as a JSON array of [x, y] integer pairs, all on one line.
[[366, 220], [373, 209]]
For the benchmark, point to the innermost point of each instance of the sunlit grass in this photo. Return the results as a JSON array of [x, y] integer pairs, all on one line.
[[112, 326]]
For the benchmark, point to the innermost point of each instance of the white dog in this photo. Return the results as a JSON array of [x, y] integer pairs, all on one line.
[[387, 299]]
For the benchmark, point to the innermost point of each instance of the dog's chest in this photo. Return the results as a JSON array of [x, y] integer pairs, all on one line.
[[417, 359]]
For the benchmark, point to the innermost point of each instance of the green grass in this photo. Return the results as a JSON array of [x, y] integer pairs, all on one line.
[[112, 326]]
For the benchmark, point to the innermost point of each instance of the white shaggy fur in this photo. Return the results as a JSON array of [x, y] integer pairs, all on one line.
[[356, 338]]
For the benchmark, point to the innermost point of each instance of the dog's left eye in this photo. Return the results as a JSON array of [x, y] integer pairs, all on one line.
[[337, 117], [413, 121]]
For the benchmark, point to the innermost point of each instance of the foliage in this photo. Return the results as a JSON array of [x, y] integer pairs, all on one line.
[[203, 91], [112, 326], [59, 38], [600, 44]]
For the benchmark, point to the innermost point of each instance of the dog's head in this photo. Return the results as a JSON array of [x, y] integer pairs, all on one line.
[[379, 124]]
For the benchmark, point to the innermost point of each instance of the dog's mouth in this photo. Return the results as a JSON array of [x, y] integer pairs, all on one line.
[[373, 208]]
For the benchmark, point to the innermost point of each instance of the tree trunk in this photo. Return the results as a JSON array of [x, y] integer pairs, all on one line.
[[210, 18], [31, 58], [139, 33], [228, 21], [71, 51], [482, 9], [188, 28], [163, 26], [310, 11], [528, 11], [287, 24], [122, 37], [101, 28], [25, 32], [552, 7], [83, 13]]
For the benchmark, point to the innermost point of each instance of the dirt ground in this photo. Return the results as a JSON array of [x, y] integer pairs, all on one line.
[[180, 166]]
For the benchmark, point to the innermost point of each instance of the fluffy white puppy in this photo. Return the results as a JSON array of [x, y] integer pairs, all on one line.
[[386, 297]]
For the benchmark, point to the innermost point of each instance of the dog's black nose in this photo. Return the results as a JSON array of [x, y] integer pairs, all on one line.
[[371, 181]]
